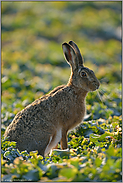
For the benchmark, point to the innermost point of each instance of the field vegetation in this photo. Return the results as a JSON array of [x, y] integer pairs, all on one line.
[[33, 64]]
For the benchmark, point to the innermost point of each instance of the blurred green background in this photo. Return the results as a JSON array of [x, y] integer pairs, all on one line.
[[33, 64], [32, 57]]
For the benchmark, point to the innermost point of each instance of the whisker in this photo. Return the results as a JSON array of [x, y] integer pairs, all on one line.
[[101, 99]]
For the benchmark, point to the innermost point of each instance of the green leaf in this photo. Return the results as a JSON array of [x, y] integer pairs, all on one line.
[[52, 171], [32, 175], [98, 162], [68, 172], [8, 155], [108, 167], [61, 153], [75, 162]]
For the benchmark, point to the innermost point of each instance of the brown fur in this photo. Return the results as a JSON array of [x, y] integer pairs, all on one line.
[[46, 121]]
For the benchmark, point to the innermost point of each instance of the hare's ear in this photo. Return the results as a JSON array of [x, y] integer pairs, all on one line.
[[80, 59], [70, 55]]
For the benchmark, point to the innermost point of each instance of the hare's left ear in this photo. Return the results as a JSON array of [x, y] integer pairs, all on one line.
[[80, 59], [70, 55]]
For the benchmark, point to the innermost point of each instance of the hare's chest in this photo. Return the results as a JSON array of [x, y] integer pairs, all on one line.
[[77, 115]]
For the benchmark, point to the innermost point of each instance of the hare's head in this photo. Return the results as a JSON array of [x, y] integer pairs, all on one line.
[[81, 77]]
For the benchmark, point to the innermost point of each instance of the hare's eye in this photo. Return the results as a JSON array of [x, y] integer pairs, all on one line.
[[83, 74]]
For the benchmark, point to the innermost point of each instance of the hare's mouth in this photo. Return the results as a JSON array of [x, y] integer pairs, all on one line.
[[95, 86]]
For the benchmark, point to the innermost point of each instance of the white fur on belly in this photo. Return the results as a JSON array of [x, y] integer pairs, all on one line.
[[53, 141]]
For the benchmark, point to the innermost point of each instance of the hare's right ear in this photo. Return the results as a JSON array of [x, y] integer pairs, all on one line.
[[80, 59], [70, 55]]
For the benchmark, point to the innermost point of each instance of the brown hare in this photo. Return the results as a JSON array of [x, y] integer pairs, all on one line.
[[46, 121]]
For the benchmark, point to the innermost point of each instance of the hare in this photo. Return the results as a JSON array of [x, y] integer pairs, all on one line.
[[45, 122]]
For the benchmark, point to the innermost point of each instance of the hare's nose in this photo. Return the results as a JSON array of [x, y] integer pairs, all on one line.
[[96, 83]]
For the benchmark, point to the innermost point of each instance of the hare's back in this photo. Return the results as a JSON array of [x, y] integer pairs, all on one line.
[[38, 114]]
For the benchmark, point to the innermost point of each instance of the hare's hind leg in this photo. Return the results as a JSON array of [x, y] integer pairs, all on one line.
[[64, 140], [42, 147], [33, 143], [53, 141]]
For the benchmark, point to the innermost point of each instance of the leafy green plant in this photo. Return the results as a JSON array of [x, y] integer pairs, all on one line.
[[33, 64]]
